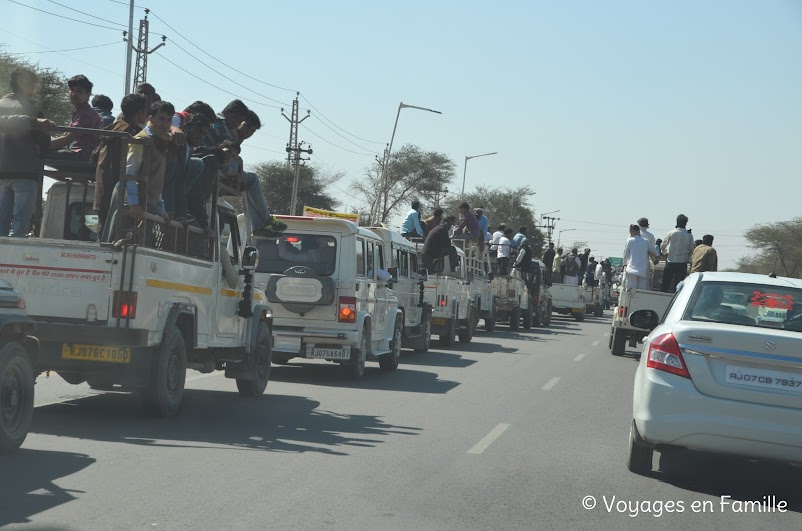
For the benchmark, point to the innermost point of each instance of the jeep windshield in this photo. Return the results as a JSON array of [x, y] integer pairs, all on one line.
[[317, 252], [747, 304]]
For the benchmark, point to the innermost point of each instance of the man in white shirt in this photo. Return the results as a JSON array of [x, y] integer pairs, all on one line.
[[636, 259], [643, 223], [503, 250], [678, 245], [496, 237]]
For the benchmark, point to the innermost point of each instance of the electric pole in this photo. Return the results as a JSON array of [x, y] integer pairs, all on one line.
[[142, 52], [129, 48], [297, 160], [549, 226], [294, 122]]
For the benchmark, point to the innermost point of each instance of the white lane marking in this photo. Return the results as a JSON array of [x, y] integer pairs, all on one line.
[[606, 334], [551, 383], [488, 439], [596, 343], [579, 357], [73, 398]]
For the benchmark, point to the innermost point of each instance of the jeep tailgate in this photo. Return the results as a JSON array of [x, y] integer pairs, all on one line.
[[57, 278]]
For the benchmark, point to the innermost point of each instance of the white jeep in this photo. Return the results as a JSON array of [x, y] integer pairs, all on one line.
[[328, 283]]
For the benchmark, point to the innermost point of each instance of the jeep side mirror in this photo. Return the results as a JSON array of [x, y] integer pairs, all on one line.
[[423, 273], [394, 272], [250, 258]]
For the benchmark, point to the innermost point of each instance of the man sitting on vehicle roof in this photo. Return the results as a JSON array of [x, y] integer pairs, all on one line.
[[469, 228], [438, 245]]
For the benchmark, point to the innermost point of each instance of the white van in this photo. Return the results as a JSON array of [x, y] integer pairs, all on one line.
[[408, 286], [329, 286]]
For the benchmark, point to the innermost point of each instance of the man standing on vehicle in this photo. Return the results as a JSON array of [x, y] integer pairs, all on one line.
[[556, 267], [23, 133], [704, 257], [484, 223], [438, 245], [643, 224], [572, 265], [433, 221], [678, 246], [591, 280], [636, 259], [519, 237], [583, 264], [81, 145], [548, 259], [496, 237], [411, 227], [503, 253]]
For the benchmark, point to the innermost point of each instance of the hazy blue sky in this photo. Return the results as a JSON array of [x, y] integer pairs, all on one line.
[[610, 110]]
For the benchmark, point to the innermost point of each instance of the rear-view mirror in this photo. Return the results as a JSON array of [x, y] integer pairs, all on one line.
[[250, 258], [423, 273]]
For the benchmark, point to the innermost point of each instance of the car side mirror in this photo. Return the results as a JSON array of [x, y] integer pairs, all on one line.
[[423, 273], [250, 258]]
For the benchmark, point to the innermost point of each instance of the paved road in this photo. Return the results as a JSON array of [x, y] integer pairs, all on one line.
[[509, 432]]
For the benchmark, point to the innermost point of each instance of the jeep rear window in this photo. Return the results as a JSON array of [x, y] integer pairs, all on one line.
[[317, 252]]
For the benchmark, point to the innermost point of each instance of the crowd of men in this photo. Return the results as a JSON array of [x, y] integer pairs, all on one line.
[[172, 166]]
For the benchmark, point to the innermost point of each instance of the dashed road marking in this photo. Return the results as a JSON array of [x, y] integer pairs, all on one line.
[[578, 358], [596, 343], [488, 439], [551, 383]]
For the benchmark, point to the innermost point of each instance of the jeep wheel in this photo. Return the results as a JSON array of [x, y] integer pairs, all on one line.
[[389, 362], [580, 316], [599, 311], [425, 339], [515, 318], [447, 339], [356, 368], [16, 396], [618, 343], [547, 316], [490, 322], [168, 374], [263, 350], [528, 316], [466, 334]]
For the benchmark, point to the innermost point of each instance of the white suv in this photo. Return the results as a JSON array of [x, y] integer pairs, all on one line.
[[328, 282]]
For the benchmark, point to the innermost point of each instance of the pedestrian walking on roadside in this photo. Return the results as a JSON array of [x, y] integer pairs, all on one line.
[[677, 246]]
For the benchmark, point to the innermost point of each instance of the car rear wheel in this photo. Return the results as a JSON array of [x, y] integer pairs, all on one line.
[[389, 362], [639, 456], [263, 350], [16, 396], [618, 343]]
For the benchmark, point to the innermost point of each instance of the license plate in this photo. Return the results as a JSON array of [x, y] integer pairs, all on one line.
[[343, 353], [438, 321], [764, 379], [71, 351]]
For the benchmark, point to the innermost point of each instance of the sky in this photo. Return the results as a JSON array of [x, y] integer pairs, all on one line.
[[609, 110]]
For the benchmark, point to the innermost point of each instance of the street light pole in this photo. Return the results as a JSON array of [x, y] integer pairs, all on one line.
[[465, 169], [382, 182], [559, 235]]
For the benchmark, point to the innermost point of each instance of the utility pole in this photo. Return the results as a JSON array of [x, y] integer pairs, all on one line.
[[129, 48], [297, 160], [142, 52], [294, 122], [550, 225]]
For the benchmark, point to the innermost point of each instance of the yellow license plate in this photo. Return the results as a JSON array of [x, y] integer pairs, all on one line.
[[70, 351], [438, 321]]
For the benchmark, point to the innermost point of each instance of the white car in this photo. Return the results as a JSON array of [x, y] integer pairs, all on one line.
[[713, 379]]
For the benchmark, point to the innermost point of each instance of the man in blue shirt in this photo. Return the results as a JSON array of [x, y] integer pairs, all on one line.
[[484, 223], [411, 227], [519, 237]]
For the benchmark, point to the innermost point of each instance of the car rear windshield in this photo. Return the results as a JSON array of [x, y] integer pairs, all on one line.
[[738, 303], [317, 252]]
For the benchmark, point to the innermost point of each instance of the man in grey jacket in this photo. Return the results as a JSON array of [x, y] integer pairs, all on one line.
[[23, 135]]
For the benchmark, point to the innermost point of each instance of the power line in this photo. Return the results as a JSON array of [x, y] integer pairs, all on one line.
[[344, 138], [337, 126], [63, 17], [65, 55], [87, 14], [213, 85], [66, 50], [218, 60], [340, 147], [121, 3]]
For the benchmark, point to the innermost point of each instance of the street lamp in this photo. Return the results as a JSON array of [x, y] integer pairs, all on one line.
[[401, 105], [559, 235], [465, 169]]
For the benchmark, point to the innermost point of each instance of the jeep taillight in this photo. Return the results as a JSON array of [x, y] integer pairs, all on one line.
[[622, 311], [442, 300], [346, 312], [124, 304], [665, 355]]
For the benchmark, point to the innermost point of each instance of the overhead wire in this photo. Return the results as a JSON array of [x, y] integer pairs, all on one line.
[[87, 14], [63, 17], [66, 49], [339, 147], [337, 126]]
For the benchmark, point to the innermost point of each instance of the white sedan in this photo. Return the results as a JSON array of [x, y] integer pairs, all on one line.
[[720, 374]]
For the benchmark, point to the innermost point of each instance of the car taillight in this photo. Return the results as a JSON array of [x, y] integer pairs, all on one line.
[[346, 312], [124, 304], [664, 355]]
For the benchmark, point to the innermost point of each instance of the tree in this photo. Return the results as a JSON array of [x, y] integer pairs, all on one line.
[[412, 173], [277, 179], [502, 205], [51, 90], [779, 242]]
